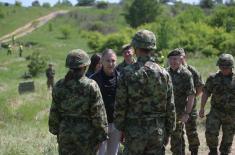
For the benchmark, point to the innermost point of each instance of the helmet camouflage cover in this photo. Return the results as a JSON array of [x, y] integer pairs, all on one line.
[[77, 58], [225, 60], [144, 39]]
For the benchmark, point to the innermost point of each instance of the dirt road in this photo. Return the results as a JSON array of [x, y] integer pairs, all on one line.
[[31, 26]]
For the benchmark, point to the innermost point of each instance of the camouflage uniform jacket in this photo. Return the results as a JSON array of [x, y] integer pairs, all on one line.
[[183, 87], [77, 108], [50, 73], [144, 94], [197, 78], [122, 65], [222, 89]]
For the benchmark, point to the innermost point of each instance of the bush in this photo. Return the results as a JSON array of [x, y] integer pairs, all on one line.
[[115, 42], [228, 46], [37, 64], [66, 31], [209, 51], [46, 5]]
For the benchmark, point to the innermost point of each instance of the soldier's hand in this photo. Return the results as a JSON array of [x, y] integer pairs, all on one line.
[[201, 113], [184, 118]]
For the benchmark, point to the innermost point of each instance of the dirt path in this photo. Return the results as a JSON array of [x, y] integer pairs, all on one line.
[[31, 26]]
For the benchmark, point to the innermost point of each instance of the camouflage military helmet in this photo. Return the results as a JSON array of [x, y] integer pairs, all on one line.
[[226, 60], [77, 58], [144, 39]]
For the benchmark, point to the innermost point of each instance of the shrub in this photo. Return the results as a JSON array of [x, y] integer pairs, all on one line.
[[66, 31], [37, 64], [46, 5], [228, 46], [209, 51]]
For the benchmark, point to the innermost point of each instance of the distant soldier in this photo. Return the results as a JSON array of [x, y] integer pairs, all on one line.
[[13, 40], [144, 108], [128, 55], [184, 99], [9, 49], [50, 73], [221, 85], [77, 114], [191, 125], [20, 50]]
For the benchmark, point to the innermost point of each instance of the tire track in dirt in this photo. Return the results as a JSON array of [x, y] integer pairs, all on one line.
[[31, 26]]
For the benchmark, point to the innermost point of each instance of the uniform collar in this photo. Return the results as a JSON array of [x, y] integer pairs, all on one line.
[[144, 59]]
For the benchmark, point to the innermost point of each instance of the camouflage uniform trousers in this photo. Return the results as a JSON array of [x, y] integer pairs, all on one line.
[[50, 82], [216, 119], [191, 130], [177, 140], [147, 142], [75, 141]]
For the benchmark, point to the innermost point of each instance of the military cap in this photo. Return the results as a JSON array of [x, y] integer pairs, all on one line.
[[175, 52], [125, 47]]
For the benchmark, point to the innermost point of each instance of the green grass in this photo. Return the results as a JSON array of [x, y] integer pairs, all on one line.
[[15, 17]]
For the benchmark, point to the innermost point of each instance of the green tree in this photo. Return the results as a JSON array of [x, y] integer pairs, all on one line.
[[207, 4], [35, 3], [18, 3], [46, 5], [37, 64], [66, 3], [85, 2], [141, 12], [66, 31]]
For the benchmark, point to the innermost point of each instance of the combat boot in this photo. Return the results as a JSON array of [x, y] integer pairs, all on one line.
[[213, 151], [194, 152]]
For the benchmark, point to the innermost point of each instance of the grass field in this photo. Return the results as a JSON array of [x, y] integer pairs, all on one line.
[[15, 17], [23, 118]]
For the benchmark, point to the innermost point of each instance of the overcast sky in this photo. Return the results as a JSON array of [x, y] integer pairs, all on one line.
[[28, 2]]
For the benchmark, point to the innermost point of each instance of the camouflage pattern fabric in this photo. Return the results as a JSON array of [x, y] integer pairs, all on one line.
[[191, 125], [77, 116], [50, 73], [144, 39], [145, 108], [222, 113], [122, 65], [183, 87]]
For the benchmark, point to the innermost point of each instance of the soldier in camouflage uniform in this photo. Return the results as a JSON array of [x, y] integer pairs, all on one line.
[[191, 125], [128, 55], [50, 73], [9, 50], [77, 114], [184, 99], [144, 108], [221, 86]]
